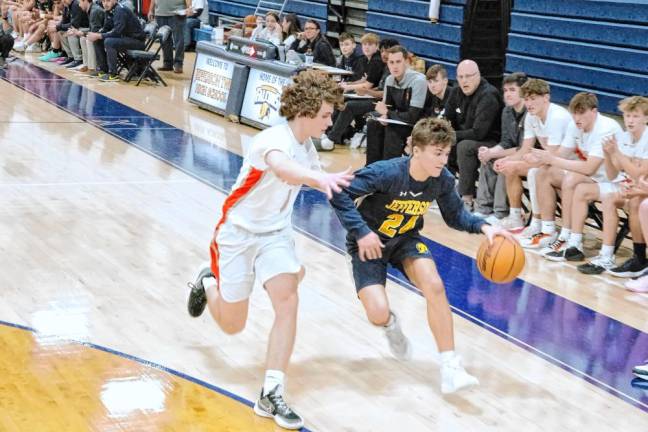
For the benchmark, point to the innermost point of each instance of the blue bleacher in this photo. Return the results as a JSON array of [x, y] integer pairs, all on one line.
[[582, 45]]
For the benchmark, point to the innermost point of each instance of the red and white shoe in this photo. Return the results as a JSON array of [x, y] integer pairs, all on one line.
[[538, 241]]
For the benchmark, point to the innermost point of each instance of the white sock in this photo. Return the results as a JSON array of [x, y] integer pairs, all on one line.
[[531, 182], [515, 212], [536, 223], [548, 227], [607, 250], [447, 356], [565, 233], [576, 240], [273, 378]]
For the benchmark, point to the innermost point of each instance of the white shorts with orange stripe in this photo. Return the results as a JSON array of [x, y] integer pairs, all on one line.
[[240, 257]]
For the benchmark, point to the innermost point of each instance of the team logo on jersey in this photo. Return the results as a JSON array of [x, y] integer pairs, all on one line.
[[421, 248], [267, 97]]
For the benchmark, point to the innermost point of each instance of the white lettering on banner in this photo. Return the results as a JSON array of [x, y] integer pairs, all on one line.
[[212, 80]]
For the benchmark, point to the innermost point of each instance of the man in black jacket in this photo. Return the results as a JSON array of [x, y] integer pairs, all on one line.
[[126, 33], [74, 18], [474, 110], [439, 90]]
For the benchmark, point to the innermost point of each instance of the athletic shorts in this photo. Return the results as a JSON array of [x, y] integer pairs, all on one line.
[[606, 188], [374, 272], [244, 257]]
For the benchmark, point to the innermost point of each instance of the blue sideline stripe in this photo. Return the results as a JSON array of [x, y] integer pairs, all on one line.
[[591, 346]]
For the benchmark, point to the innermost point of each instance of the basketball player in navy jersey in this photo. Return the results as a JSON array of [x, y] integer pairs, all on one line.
[[383, 229]]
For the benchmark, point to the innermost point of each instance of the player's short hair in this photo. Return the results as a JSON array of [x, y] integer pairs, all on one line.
[[370, 38], [305, 95], [634, 103], [583, 101], [535, 87], [434, 70], [433, 131], [385, 44], [399, 49], [517, 78], [346, 36]]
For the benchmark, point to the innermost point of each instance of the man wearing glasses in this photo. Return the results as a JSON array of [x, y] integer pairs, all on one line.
[[474, 111], [312, 40]]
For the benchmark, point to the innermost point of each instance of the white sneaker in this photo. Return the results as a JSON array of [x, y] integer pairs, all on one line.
[[33, 48], [555, 246], [538, 241], [493, 220], [356, 140], [326, 143], [454, 377], [512, 223], [19, 46], [529, 232], [398, 343], [641, 371], [14, 34]]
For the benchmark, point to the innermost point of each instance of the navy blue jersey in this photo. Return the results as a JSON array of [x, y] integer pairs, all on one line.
[[391, 203]]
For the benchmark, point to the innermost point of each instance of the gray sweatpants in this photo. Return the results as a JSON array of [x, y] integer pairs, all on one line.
[[71, 45], [491, 192]]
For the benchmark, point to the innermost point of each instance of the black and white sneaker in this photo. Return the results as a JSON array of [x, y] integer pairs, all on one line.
[[272, 405], [632, 267], [197, 299], [569, 254]]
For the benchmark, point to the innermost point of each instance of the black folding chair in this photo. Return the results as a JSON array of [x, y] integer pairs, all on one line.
[[143, 60], [124, 61]]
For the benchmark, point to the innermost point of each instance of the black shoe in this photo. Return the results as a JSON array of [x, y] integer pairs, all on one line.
[[590, 269], [165, 68], [197, 299], [272, 405], [67, 61], [570, 254], [632, 267], [74, 64]]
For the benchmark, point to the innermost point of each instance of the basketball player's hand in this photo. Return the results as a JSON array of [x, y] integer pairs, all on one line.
[[484, 154], [370, 247], [493, 231], [333, 182], [610, 146]]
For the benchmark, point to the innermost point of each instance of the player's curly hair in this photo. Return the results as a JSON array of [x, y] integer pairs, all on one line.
[[433, 131], [305, 95]]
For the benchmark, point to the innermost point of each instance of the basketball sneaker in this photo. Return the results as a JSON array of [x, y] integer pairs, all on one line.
[[571, 253], [197, 299], [558, 245], [529, 232], [398, 343], [639, 285], [538, 241], [597, 265], [632, 267], [272, 405], [512, 223], [454, 377], [641, 371]]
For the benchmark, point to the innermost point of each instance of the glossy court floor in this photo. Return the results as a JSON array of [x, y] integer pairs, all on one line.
[[108, 197]]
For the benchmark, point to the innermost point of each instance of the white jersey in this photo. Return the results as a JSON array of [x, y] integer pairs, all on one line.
[[587, 144], [552, 131], [260, 202], [633, 149]]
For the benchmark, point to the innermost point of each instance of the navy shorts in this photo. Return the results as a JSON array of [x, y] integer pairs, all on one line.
[[374, 272]]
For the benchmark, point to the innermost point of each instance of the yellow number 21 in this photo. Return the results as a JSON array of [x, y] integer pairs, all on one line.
[[394, 221]]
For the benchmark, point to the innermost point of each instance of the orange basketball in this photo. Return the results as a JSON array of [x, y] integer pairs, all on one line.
[[502, 261]]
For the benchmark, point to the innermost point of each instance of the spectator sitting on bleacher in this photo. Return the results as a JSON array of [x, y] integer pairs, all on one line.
[[67, 28], [291, 28], [313, 42], [578, 160], [491, 201], [369, 67], [349, 60], [96, 16], [402, 101], [174, 14], [439, 90], [36, 24], [545, 124], [474, 111], [355, 109], [6, 43], [193, 21], [259, 23], [19, 13], [626, 161], [272, 31], [126, 33]]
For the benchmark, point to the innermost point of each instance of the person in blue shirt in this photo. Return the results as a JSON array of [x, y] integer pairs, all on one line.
[[394, 195]]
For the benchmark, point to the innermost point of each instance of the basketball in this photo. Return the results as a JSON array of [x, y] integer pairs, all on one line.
[[502, 261]]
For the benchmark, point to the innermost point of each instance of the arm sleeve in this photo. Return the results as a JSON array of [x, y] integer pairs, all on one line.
[[367, 180], [486, 112], [452, 209]]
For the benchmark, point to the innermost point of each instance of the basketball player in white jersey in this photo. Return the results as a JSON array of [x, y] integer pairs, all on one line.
[[253, 238], [546, 123]]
